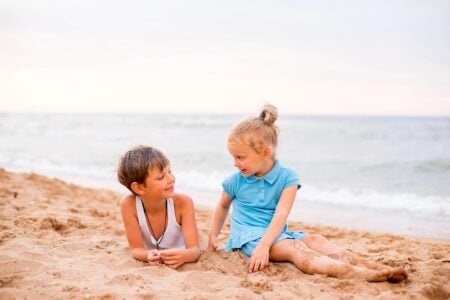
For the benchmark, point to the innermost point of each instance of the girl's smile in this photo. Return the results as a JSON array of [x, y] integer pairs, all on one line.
[[249, 162]]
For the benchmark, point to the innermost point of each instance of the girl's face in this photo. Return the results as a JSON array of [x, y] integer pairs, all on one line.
[[159, 183], [248, 161]]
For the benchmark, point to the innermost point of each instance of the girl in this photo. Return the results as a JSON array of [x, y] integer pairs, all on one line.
[[262, 193], [159, 223]]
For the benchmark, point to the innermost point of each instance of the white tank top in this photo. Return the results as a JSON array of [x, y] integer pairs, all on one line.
[[172, 237]]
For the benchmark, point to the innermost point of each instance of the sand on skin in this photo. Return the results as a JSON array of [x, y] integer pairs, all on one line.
[[59, 240]]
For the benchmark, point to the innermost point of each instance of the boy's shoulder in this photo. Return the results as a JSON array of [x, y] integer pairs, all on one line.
[[126, 199], [183, 202], [182, 199]]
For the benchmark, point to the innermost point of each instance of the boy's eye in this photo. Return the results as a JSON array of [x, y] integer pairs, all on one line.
[[164, 175]]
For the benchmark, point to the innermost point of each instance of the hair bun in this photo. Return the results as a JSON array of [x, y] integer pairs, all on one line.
[[269, 114]]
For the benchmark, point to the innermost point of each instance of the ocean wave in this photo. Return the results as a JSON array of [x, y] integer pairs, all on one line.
[[440, 166], [198, 181], [47, 167], [428, 166], [344, 197], [370, 199], [392, 164]]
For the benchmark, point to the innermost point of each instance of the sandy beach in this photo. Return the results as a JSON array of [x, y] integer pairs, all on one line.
[[60, 240]]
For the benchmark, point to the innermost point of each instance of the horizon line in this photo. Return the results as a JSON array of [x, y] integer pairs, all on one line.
[[289, 114]]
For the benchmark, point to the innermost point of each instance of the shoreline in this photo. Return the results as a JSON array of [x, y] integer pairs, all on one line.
[[350, 218], [61, 240]]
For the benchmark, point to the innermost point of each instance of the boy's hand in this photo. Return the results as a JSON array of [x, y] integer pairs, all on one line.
[[213, 243], [153, 256], [259, 259], [173, 257]]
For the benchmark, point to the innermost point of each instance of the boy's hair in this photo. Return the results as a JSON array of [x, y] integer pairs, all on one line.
[[136, 162], [259, 132]]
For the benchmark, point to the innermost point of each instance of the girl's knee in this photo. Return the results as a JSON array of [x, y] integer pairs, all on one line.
[[298, 245], [286, 249], [314, 239]]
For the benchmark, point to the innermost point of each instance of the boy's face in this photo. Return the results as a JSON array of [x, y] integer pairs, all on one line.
[[159, 183], [246, 159]]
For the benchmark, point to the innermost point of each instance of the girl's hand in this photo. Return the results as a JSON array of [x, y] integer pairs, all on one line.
[[173, 257], [259, 259], [153, 256], [213, 243]]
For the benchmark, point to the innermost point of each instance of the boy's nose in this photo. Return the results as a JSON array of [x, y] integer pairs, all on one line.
[[172, 177]]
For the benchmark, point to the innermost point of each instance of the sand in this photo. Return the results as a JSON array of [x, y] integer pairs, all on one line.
[[63, 241]]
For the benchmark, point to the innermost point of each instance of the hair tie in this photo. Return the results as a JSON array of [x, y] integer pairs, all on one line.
[[262, 116]]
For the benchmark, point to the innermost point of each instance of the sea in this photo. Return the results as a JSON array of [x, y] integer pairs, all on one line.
[[380, 174]]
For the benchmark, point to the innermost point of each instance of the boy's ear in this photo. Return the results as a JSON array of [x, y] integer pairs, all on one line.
[[137, 188]]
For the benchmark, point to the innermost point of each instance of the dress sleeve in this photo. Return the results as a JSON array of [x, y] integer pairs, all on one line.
[[291, 178], [230, 185]]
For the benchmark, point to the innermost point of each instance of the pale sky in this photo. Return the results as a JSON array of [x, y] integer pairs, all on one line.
[[305, 57]]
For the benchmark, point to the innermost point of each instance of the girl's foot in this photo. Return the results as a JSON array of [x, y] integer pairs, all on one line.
[[393, 275], [398, 275]]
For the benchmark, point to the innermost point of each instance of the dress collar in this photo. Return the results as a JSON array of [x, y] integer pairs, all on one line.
[[269, 177]]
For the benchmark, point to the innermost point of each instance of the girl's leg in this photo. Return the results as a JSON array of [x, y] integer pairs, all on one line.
[[320, 244], [313, 262]]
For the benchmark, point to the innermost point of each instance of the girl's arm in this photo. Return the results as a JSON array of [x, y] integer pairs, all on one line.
[[260, 257], [220, 215], [176, 257], [132, 230]]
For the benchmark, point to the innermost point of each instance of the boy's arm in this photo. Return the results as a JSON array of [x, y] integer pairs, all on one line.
[[175, 257], [132, 230], [260, 256], [190, 232], [219, 217]]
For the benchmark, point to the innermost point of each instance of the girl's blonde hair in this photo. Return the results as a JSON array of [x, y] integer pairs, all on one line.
[[258, 132]]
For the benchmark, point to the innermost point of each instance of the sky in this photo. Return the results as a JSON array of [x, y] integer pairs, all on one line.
[[305, 57]]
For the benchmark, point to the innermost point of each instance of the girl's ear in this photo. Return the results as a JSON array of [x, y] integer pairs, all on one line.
[[267, 152], [137, 188]]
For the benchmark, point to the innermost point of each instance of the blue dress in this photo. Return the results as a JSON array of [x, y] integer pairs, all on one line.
[[254, 200]]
